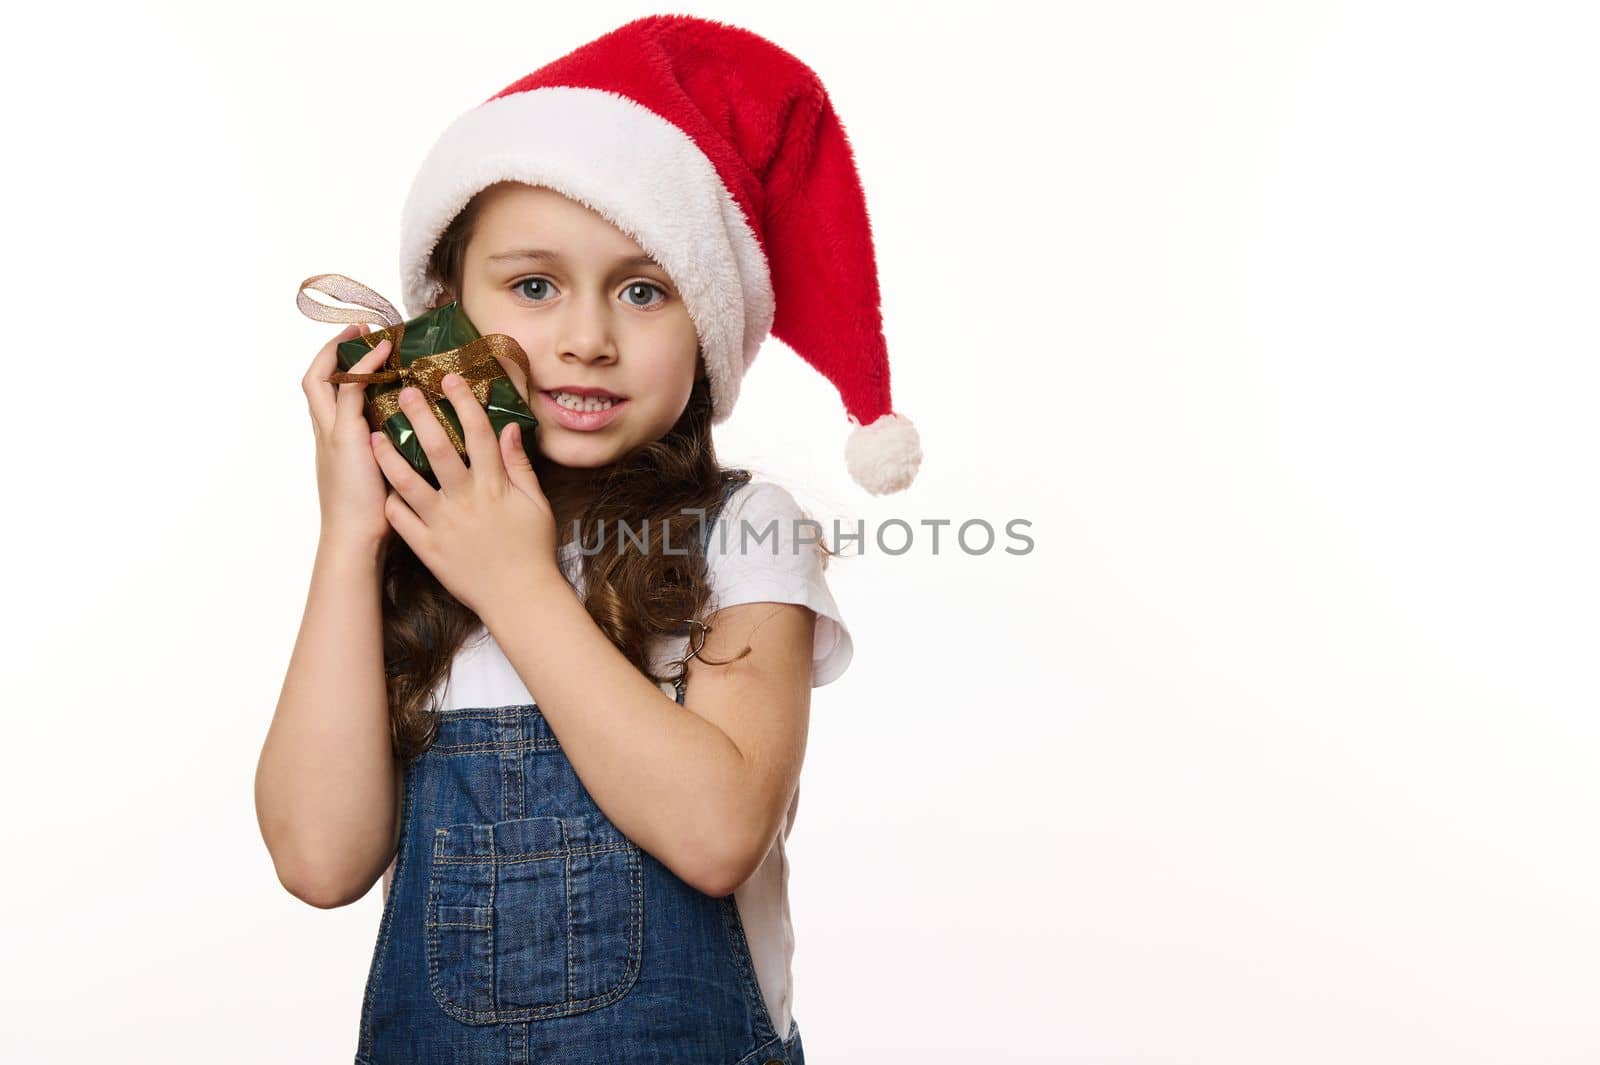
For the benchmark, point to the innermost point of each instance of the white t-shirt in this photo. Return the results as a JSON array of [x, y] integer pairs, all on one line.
[[757, 554]]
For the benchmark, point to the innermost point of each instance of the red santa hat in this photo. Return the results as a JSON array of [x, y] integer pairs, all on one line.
[[720, 154]]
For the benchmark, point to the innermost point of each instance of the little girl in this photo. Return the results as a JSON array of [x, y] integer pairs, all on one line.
[[578, 802]]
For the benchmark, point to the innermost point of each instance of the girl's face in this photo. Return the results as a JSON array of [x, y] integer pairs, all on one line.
[[591, 311]]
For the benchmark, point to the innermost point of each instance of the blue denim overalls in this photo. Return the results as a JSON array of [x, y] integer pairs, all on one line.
[[523, 928]]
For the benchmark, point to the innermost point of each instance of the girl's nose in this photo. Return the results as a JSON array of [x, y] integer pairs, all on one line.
[[588, 352], [586, 331]]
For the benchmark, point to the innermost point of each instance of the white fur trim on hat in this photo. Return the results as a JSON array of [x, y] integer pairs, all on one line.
[[637, 170], [883, 457]]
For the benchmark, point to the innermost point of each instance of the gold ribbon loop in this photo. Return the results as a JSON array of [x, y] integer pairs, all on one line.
[[478, 361], [350, 291]]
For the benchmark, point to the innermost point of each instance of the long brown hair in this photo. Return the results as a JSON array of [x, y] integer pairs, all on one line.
[[667, 487]]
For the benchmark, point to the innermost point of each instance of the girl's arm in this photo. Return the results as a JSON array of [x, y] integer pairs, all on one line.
[[703, 787], [326, 784]]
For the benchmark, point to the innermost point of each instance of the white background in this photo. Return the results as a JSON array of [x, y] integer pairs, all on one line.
[[1277, 321]]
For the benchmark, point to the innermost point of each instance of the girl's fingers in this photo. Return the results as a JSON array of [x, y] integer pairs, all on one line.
[[483, 448], [447, 465], [415, 495], [352, 397], [319, 394]]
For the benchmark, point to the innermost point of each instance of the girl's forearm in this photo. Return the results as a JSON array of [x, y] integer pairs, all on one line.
[[669, 779], [325, 784]]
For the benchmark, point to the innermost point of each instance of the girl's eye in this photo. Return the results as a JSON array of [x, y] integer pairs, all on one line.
[[520, 290], [645, 288]]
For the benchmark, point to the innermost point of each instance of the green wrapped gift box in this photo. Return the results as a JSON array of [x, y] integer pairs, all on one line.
[[434, 344]]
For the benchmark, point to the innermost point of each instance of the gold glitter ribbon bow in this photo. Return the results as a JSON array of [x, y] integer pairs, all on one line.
[[477, 362]]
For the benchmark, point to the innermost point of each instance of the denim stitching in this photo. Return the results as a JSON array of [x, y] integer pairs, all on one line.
[[566, 901], [386, 922], [764, 1053], [734, 926], [494, 931], [496, 747], [568, 1007], [587, 850], [511, 797], [517, 1044]]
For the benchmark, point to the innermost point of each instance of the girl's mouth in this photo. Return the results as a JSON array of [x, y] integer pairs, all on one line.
[[582, 420]]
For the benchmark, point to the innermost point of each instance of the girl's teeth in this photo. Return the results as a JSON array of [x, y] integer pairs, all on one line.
[[582, 403]]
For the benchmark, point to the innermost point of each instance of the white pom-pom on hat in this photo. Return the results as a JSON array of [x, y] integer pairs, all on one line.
[[883, 457]]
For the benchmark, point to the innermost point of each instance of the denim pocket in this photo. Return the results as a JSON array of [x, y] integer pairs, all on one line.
[[533, 918]]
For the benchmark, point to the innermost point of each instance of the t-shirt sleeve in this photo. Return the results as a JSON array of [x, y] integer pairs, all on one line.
[[763, 549]]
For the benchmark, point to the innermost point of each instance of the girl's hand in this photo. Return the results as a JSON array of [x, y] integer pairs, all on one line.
[[350, 486], [488, 531]]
